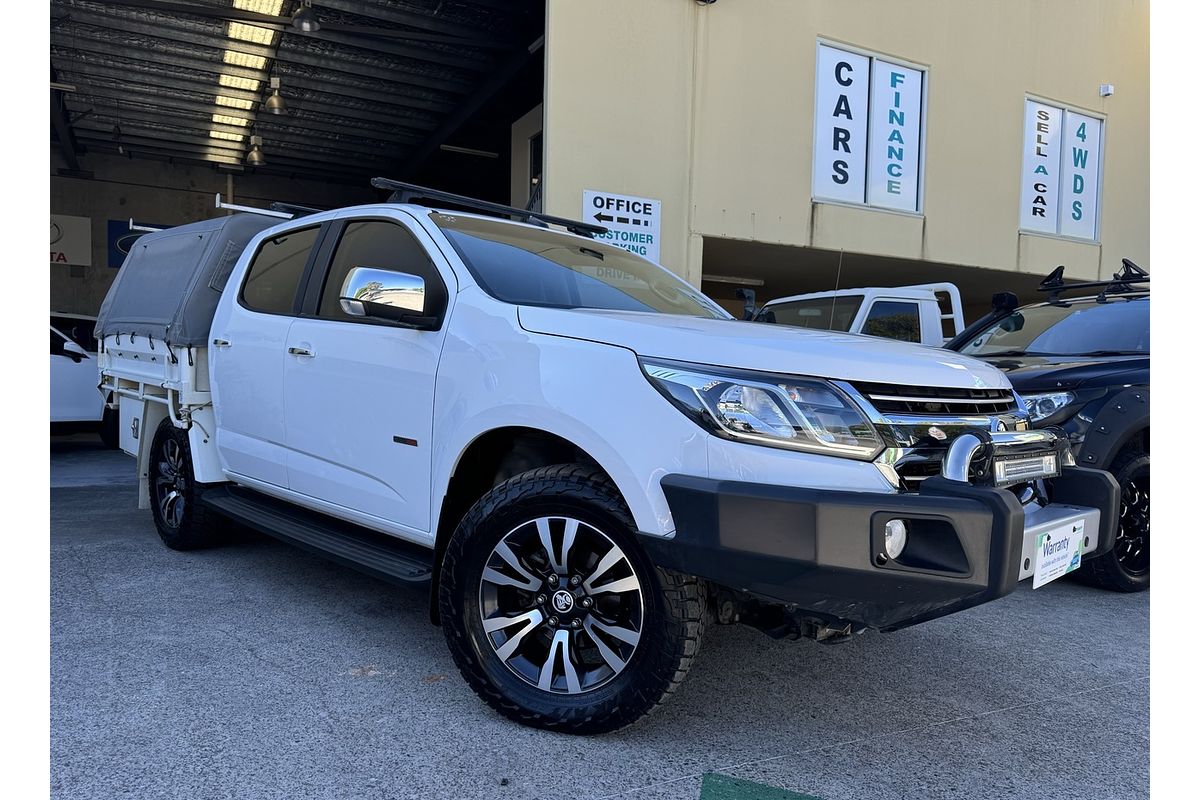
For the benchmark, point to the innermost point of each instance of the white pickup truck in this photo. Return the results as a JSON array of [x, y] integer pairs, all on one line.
[[926, 313], [586, 458]]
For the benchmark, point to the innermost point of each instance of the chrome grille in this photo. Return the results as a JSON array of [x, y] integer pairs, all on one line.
[[890, 398]]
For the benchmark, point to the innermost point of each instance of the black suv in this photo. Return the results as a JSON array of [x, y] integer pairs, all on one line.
[[1083, 364]]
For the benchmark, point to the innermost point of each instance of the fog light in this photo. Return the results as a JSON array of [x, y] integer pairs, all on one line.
[[895, 536]]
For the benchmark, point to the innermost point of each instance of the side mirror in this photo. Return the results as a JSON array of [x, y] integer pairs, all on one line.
[[74, 351], [388, 295]]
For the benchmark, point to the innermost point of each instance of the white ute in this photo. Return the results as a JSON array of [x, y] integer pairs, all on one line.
[[586, 458], [928, 313]]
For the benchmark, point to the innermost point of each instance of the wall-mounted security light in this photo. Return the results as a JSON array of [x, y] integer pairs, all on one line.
[[1106, 90]]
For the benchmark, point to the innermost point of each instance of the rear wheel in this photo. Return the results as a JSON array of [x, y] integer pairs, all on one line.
[[1127, 567], [183, 521], [554, 614]]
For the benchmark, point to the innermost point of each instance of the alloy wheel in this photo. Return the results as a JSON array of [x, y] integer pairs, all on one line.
[[1133, 532], [170, 483], [561, 605]]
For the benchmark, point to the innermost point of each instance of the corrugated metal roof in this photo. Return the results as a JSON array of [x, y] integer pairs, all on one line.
[[379, 85]]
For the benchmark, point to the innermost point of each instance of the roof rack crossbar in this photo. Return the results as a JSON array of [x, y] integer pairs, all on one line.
[[1121, 281], [411, 193], [266, 212], [295, 209]]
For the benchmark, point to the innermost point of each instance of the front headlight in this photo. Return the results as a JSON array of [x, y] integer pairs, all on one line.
[[779, 411], [1046, 404]]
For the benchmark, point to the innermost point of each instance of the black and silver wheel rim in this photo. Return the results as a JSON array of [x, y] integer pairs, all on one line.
[[170, 484], [561, 605], [1133, 533]]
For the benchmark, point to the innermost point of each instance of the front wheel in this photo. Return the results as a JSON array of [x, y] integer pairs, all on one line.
[[182, 519], [1126, 568], [554, 614]]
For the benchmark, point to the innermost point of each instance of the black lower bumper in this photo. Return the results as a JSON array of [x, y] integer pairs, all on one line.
[[822, 552]]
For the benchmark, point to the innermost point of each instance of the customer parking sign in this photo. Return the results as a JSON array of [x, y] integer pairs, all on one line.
[[633, 222]]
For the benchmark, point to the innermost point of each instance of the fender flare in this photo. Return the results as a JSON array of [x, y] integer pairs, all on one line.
[[1125, 414]]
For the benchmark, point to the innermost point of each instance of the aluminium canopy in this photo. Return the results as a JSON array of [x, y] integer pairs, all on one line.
[[171, 280]]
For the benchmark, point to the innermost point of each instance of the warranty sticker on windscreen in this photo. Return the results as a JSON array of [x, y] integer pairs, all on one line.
[[1059, 551]]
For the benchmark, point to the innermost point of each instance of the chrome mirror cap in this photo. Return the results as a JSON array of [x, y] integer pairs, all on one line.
[[373, 292]]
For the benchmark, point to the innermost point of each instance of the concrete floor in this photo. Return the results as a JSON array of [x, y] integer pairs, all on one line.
[[260, 671]]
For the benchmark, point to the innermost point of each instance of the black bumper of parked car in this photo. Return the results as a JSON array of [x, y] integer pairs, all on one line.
[[820, 553]]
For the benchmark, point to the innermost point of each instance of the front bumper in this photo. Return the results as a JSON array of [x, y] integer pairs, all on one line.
[[816, 552]]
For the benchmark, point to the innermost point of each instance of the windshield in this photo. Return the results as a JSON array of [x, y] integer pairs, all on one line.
[[1080, 328], [823, 313], [536, 267]]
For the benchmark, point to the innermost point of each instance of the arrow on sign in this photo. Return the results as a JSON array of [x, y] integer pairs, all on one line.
[[603, 218]]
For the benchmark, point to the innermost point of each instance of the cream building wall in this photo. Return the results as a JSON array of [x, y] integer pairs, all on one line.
[[709, 108]]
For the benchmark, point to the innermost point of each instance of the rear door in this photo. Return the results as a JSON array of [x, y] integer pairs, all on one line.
[[360, 392], [247, 350]]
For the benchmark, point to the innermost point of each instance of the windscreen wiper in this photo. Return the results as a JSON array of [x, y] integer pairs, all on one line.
[[1110, 353]]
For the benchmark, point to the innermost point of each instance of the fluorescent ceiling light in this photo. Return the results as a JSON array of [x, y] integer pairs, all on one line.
[[245, 60], [234, 102], [251, 33], [272, 7], [229, 137], [225, 119], [234, 82]]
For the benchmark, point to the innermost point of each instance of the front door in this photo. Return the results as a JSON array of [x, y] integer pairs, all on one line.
[[247, 352], [359, 392], [73, 379]]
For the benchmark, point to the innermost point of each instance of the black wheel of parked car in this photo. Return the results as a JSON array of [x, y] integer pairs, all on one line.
[[183, 522], [110, 432], [1127, 567], [553, 612]]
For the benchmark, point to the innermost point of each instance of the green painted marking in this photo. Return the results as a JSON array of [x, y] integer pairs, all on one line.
[[715, 786]]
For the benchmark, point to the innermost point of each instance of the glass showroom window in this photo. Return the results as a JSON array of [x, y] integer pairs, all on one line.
[[869, 125], [1060, 172]]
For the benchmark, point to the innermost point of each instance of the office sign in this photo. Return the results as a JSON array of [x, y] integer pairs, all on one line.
[[634, 223], [868, 130], [1060, 173], [70, 240]]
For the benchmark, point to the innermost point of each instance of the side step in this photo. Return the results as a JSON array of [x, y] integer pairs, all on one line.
[[371, 552]]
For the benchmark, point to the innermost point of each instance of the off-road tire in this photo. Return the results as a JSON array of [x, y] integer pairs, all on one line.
[[1107, 571], [198, 525], [673, 606]]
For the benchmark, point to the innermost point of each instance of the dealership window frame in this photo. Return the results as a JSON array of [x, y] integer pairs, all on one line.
[[872, 55], [1087, 112]]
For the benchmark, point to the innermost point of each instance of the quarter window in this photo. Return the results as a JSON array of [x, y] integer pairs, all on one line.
[[893, 320], [274, 276], [381, 245]]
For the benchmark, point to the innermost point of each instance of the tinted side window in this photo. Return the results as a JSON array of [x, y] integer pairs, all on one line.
[[893, 320], [275, 273], [382, 245]]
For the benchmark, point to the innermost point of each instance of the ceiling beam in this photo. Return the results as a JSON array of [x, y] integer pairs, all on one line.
[[329, 33], [154, 74], [486, 91], [62, 126]]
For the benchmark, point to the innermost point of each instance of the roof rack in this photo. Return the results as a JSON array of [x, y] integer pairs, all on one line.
[[295, 209], [1121, 281], [411, 193]]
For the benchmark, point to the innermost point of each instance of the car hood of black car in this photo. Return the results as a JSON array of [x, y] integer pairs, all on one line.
[[1032, 372]]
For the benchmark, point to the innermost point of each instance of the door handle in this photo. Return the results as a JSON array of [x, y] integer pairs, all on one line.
[[301, 351], [220, 342]]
